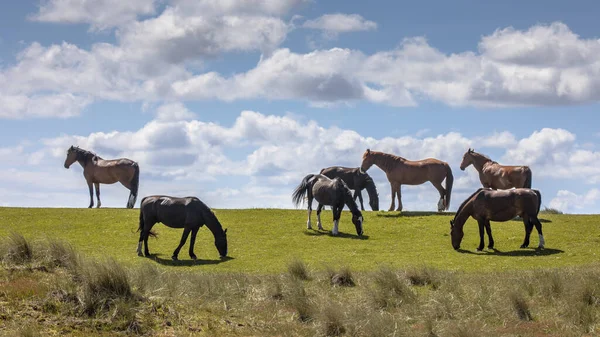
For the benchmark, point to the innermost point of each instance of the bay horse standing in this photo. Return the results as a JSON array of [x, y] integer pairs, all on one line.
[[100, 171], [487, 205], [329, 192], [494, 175], [401, 171], [356, 181], [188, 213]]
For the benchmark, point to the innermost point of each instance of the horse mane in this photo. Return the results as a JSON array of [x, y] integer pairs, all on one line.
[[484, 156], [370, 185], [85, 155], [347, 194], [464, 203], [387, 161]]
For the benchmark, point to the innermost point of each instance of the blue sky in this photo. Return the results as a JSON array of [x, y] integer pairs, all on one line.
[[236, 101]]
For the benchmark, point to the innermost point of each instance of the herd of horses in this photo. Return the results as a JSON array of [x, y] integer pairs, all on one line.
[[506, 194]]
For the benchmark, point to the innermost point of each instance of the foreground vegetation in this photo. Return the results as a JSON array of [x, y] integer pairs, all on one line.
[[47, 288]]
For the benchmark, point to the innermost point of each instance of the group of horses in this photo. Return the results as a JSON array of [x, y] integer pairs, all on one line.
[[506, 192]]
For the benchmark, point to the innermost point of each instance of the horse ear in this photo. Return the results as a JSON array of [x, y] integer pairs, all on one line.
[[470, 150], [368, 152], [225, 231]]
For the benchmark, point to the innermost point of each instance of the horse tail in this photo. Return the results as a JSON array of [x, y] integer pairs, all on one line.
[[539, 195], [135, 181], [528, 177], [141, 226], [302, 189], [449, 182]]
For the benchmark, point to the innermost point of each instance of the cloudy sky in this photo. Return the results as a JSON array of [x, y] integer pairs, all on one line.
[[235, 101]]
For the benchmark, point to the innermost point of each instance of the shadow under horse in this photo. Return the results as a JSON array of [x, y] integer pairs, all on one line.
[[98, 171], [188, 213], [357, 181], [487, 205], [328, 192]]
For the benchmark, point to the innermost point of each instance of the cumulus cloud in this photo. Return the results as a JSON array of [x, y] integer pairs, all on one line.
[[42, 106], [333, 24], [101, 14], [568, 201]]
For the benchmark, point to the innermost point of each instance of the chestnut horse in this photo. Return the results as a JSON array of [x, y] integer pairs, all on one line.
[[99, 171], [494, 175], [487, 205], [401, 171]]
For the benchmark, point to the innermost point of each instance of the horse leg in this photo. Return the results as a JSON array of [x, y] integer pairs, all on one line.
[[336, 218], [308, 224], [91, 188], [481, 224], [193, 242], [528, 228], [488, 229], [184, 237], [538, 227], [359, 195], [97, 185], [393, 205], [399, 193], [442, 202], [319, 208], [146, 233]]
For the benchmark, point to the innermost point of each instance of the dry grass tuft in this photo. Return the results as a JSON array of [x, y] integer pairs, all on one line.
[[298, 270]]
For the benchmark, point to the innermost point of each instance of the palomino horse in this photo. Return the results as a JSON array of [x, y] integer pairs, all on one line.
[[402, 171], [188, 213], [494, 175], [487, 205], [330, 192], [356, 181], [99, 171]]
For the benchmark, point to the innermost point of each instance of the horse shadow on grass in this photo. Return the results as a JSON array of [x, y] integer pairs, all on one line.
[[187, 262], [396, 214], [519, 252], [312, 232]]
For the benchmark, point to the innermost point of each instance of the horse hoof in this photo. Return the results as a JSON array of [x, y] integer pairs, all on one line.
[[479, 249], [140, 254], [524, 246], [193, 257], [174, 258]]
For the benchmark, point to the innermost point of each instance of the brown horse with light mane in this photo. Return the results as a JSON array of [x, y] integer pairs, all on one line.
[[401, 171], [494, 175], [100, 171]]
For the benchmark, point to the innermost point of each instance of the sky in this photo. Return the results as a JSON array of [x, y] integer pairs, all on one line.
[[236, 101]]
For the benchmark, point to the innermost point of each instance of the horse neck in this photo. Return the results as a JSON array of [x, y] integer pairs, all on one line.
[[479, 161], [385, 161], [213, 224], [371, 189], [463, 214], [349, 201]]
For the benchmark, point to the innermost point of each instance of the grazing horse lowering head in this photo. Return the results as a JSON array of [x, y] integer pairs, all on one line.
[[71, 156], [367, 161], [467, 159], [357, 220], [456, 235], [221, 244]]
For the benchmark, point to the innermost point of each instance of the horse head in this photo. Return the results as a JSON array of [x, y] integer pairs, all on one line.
[[467, 159], [71, 156], [456, 234], [357, 220], [367, 161], [221, 244]]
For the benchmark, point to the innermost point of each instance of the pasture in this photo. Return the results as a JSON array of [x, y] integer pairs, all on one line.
[[285, 280]]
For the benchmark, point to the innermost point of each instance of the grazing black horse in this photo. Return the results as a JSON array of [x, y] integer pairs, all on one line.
[[356, 181], [330, 192], [188, 213]]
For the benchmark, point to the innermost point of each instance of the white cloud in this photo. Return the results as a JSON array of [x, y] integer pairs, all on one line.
[[42, 106], [101, 14], [173, 112], [333, 24], [568, 201]]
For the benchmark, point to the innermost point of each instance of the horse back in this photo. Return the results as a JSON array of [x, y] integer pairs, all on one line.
[[172, 211], [503, 205], [351, 176]]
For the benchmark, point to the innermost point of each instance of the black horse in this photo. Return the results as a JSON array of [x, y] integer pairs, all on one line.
[[356, 181], [330, 192], [188, 213]]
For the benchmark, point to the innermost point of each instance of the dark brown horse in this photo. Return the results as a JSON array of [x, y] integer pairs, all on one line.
[[402, 171], [329, 192], [494, 175], [99, 171], [487, 205], [188, 213], [356, 181]]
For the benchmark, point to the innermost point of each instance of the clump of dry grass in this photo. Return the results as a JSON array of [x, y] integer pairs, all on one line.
[[298, 270], [341, 278], [17, 250], [390, 290], [423, 276], [297, 299], [520, 306], [332, 319]]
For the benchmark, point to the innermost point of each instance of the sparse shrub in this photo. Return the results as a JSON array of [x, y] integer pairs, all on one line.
[[332, 320], [519, 304], [298, 270], [390, 290], [17, 250], [61, 254]]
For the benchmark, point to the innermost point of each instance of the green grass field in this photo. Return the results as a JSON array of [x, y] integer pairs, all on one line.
[[266, 240]]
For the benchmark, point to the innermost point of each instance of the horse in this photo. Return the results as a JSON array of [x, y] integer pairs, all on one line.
[[487, 205], [494, 175], [330, 192], [100, 171], [188, 213], [401, 171], [356, 181]]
